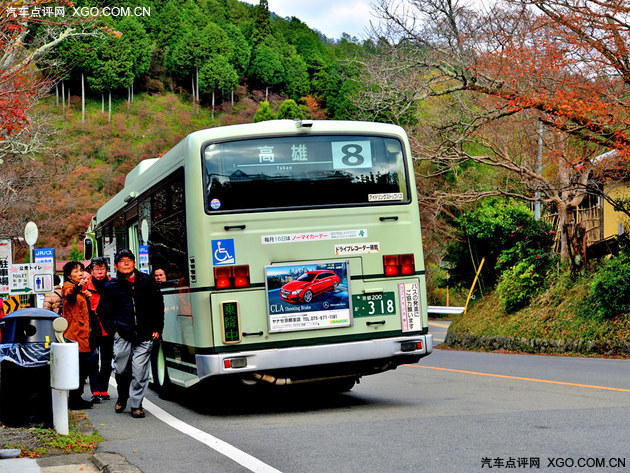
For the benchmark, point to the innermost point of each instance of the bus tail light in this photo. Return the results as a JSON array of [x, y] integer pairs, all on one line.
[[399, 265], [241, 276], [228, 277], [392, 265], [407, 264], [223, 277]]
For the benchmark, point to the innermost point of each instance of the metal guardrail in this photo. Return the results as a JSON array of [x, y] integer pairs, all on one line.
[[444, 310]]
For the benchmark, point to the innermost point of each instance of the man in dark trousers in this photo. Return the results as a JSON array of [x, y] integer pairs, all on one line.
[[99, 338], [132, 308]]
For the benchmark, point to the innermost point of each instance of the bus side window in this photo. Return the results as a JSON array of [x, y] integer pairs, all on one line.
[[120, 232], [167, 229]]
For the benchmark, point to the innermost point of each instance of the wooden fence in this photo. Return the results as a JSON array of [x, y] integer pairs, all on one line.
[[591, 218]]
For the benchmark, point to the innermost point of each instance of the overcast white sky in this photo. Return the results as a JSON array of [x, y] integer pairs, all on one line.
[[331, 17]]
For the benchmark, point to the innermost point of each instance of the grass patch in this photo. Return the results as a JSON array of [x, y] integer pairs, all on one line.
[[39, 442]]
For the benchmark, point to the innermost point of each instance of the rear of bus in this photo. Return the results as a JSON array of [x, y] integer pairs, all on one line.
[[307, 236]]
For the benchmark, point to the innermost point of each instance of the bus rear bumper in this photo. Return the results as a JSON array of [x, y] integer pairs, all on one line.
[[399, 348]]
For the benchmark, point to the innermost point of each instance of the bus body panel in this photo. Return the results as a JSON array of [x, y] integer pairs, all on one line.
[[193, 333]]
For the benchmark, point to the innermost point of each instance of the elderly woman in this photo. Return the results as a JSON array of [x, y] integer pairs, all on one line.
[[75, 310]]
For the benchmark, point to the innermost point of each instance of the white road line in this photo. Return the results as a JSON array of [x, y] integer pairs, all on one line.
[[224, 448]]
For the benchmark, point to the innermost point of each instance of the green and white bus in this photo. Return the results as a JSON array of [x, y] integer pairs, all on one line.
[[292, 249]]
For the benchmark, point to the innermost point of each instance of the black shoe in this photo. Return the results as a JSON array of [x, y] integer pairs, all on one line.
[[137, 413], [104, 396], [120, 405], [96, 399], [78, 404]]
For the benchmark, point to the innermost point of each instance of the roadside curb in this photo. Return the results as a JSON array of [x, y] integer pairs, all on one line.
[[113, 463], [469, 341]]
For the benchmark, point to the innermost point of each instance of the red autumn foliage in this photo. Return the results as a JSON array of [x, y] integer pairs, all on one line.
[[22, 81]]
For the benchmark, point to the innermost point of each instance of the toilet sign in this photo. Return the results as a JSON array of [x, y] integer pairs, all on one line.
[[19, 279], [30, 278], [41, 277]]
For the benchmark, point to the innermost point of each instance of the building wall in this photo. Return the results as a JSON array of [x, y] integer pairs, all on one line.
[[612, 219]]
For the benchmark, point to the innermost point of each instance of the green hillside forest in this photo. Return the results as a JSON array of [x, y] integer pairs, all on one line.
[[499, 124]]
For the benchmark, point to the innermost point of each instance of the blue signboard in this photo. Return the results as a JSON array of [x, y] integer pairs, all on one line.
[[43, 252], [223, 252], [45, 256], [143, 258]]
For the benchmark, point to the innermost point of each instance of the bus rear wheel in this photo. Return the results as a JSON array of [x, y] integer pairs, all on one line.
[[161, 381]]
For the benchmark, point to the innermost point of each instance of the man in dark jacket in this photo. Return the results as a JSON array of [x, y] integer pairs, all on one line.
[[132, 307]]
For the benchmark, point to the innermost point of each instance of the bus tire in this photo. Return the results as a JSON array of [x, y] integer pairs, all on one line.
[[308, 296], [161, 381]]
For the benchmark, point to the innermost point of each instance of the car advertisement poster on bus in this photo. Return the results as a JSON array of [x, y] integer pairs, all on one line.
[[308, 296]]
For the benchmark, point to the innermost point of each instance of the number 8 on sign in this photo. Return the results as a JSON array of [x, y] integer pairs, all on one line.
[[351, 154]]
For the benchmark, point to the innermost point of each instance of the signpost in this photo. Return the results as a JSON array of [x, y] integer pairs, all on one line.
[[44, 255], [36, 277], [11, 304], [143, 258], [19, 279], [33, 278], [5, 262], [31, 233], [41, 277]]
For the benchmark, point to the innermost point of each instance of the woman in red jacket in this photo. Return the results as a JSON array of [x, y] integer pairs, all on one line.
[[75, 310]]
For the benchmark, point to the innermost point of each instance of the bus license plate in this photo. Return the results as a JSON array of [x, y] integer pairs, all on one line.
[[366, 305]]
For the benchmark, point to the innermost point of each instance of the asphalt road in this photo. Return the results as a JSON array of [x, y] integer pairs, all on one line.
[[452, 412], [439, 329]]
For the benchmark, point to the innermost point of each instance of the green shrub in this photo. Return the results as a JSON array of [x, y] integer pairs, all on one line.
[[264, 113], [505, 233], [519, 284], [611, 287], [290, 110]]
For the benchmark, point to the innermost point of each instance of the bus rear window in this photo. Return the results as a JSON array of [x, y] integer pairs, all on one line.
[[304, 171]]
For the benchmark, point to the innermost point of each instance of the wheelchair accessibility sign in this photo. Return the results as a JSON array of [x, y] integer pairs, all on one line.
[[223, 252]]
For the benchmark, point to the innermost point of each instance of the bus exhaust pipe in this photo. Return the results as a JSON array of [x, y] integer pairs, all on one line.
[[269, 379]]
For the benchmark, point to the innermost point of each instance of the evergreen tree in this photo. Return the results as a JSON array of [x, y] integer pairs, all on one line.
[[217, 73], [139, 45], [75, 254], [112, 68], [266, 67], [296, 82], [262, 23], [241, 51], [195, 47]]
